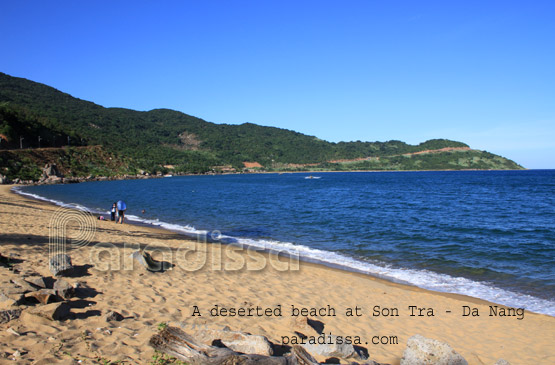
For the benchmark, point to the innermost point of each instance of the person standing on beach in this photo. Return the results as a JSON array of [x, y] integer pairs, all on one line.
[[113, 212], [121, 211]]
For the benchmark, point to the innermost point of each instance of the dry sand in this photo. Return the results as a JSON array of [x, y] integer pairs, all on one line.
[[239, 279]]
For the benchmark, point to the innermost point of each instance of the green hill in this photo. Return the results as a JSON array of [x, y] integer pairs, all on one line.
[[34, 115]]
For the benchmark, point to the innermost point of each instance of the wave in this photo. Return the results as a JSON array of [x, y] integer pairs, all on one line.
[[18, 190], [424, 279]]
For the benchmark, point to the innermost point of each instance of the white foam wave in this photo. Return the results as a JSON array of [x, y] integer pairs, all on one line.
[[56, 202], [421, 278], [189, 230]]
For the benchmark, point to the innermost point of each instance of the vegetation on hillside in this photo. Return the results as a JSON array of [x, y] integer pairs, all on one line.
[[449, 160], [34, 115], [91, 162]]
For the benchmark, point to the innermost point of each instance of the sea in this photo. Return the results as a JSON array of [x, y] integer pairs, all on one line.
[[485, 234]]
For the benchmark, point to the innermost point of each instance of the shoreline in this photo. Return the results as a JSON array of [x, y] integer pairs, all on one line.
[[78, 180], [161, 230], [147, 299], [505, 297]]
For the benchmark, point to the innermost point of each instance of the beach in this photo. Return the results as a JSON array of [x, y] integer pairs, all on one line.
[[209, 277]]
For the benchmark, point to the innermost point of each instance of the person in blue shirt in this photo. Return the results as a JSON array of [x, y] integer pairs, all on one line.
[[121, 211]]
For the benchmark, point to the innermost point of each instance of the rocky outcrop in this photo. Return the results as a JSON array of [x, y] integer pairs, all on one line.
[[21, 283], [236, 341], [36, 281], [51, 170], [54, 311], [11, 294], [422, 350], [26, 293], [174, 341], [9, 299], [60, 265], [43, 296], [51, 174], [63, 289]]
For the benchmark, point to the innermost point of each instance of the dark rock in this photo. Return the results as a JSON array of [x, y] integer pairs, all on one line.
[[113, 316], [54, 311], [146, 261], [8, 315], [60, 265], [63, 289]]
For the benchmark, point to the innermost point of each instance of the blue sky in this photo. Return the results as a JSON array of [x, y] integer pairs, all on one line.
[[481, 72]]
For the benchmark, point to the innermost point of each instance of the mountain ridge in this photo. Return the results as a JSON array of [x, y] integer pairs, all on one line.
[[36, 115]]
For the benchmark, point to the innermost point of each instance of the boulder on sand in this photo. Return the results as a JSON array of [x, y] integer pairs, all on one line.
[[334, 349], [63, 289], [60, 265], [43, 296], [37, 281], [113, 316], [422, 350], [146, 261], [54, 312], [237, 341]]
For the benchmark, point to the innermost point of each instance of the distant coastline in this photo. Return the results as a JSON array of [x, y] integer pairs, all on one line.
[[41, 126], [76, 180]]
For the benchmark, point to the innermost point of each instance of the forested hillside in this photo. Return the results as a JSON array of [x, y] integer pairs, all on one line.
[[34, 115]]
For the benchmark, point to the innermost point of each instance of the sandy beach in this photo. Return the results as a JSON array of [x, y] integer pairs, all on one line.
[[209, 277]]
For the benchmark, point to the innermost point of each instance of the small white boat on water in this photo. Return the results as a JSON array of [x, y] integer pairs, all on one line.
[[312, 177]]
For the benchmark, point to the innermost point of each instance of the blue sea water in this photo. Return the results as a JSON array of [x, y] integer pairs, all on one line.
[[487, 234]]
